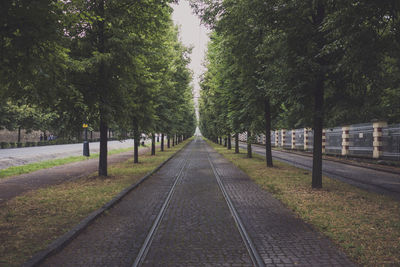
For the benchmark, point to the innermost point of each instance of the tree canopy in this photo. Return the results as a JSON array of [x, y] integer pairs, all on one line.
[[289, 64], [110, 64]]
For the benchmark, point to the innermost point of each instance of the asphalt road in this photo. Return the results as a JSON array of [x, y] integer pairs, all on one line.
[[20, 156], [372, 180]]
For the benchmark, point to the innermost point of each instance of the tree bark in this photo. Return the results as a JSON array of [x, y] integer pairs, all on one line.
[[318, 102], [268, 148], [103, 147], [19, 134], [169, 142], [318, 125], [249, 154], [173, 140], [136, 143], [225, 142], [229, 141], [153, 144], [162, 142], [237, 143], [103, 124]]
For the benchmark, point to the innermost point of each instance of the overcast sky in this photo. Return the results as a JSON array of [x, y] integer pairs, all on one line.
[[192, 34]]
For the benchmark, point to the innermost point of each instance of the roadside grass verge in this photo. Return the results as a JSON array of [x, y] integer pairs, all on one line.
[[31, 167], [29, 223], [365, 225]]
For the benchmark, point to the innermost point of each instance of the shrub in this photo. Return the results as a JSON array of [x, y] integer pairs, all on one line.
[[4, 144]]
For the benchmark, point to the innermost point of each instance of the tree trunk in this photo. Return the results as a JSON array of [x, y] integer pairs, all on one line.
[[268, 148], [173, 140], [249, 154], [19, 134], [136, 138], [153, 144], [169, 142], [225, 142], [103, 124], [103, 147], [162, 142], [236, 143], [229, 141], [318, 102], [318, 125]]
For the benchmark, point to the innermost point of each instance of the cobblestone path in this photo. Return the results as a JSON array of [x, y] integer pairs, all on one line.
[[198, 228]]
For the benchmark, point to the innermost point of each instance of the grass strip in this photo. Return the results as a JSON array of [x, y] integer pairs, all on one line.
[[31, 167], [29, 223], [365, 225]]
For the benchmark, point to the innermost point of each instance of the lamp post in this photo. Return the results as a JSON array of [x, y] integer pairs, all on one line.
[[86, 142]]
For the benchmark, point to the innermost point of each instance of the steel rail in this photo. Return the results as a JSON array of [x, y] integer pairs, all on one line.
[[254, 255], [150, 236]]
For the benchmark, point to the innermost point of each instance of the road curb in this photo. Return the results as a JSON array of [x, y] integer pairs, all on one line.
[[339, 161], [64, 240]]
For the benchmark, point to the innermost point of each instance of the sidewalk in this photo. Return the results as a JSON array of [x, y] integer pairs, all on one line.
[[20, 156], [17, 185]]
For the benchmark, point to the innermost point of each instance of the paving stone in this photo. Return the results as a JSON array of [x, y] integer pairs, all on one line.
[[279, 236], [198, 228], [115, 238]]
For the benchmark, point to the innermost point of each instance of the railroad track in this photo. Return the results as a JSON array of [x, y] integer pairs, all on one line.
[[254, 255], [149, 238], [252, 251]]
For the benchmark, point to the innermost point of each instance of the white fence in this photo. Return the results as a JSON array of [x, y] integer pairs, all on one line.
[[372, 140]]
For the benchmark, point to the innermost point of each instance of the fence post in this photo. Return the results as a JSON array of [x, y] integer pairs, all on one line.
[[294, 139], [378, 148], [345, 140], [305, 139], [283, 136], [323, 140]]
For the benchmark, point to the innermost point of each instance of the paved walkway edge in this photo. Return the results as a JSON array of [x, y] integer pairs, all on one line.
[[62, 241]]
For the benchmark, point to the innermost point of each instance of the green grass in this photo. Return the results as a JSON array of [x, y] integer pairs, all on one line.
[[31, 167], [30, 222], [365, 225]]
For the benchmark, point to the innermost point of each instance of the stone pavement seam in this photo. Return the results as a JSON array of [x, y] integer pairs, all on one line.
[[62, 241]]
